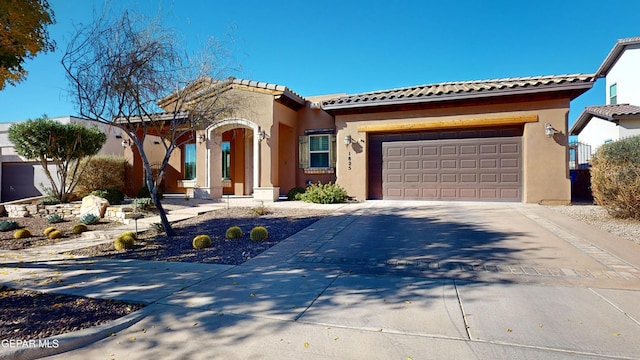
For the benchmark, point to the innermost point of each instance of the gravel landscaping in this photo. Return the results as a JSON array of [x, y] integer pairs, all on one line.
[[598, 217]]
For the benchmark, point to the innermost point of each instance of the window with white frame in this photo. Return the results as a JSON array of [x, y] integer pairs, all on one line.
[[613, 94], [317, 151]]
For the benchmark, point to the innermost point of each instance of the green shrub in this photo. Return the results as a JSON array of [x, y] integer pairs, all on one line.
[[142, 203], [79, 228], [201, 242], [21, 234], [233, 232], [259, 233], [49, 230], [102, 172], [113, 196], [55, 218], [8, 225], [125, 241], [50, 201], [89, 219], [328, 193], [55, 234], [615, 177], [294, 193]]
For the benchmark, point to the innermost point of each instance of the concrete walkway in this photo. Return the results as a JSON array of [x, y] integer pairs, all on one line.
[[379, 280]]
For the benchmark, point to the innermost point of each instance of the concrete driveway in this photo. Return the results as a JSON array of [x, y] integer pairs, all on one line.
[[394, 280]]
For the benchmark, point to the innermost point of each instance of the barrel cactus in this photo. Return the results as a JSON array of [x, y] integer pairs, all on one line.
[[201, 242], [234, 232], [125, 241], [259, 233], [21, 234], [55, 234], [79, 228], [49, 230]]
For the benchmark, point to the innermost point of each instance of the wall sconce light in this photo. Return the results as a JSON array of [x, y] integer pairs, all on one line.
[[347, 140], [201, 138], [262, 135], [549, 130], [126, 143]]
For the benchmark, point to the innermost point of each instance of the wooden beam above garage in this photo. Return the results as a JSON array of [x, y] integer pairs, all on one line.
[[448, 124]]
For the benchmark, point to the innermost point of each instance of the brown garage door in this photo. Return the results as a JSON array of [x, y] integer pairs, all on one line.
[[487, 169]]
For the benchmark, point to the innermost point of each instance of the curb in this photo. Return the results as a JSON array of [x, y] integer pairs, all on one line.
[[70, 341]]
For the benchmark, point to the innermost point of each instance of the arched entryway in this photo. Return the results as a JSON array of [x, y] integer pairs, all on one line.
[[233, 157]]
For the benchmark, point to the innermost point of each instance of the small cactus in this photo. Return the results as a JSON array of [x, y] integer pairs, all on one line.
[[56, 234], [201, 242], [21, 234], [49, 230], [7, 225], [89, 219], [79, 228], [54, 218], [129, 234], [259, 233], [234, 232], [124, 242]]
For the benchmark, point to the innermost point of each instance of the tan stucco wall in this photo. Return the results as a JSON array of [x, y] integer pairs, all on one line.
[[312, 119], [545, 166]]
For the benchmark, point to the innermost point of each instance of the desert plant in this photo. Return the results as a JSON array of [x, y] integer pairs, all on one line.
[[328, 193], [55, 234], [233, 232], [89, 219], [615, 177], [157, 227], [259, 233], [79, 228], [144, 203], [55, 218], [201, 242], [21, 234], [260, 210], [294, 193], [8, 225], [129, 234], [102, 172], [123, 243], [50, 200], [49, 230], [113, 196]]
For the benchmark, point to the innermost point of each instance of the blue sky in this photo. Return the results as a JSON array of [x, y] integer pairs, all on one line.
[[324, 47]]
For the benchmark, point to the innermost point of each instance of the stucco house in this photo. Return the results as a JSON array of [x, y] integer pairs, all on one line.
[[21, 178], [489, 140], [620, 117]]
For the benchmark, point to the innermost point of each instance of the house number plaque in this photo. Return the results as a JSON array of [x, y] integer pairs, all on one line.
[[349, 160]]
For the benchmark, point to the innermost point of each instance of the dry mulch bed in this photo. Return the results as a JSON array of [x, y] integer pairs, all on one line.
[[31, 315], [28, 315]]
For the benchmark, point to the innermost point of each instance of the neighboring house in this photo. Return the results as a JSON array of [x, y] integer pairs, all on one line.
[[620, 117], [21, 178], [492, 140]]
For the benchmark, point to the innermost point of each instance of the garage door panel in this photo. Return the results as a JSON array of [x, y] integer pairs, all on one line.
[[463, 169]]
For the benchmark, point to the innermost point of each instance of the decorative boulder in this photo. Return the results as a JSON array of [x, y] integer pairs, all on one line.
[[95, 205]]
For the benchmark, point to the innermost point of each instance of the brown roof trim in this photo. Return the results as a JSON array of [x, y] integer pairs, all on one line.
[[613, 113], [577, 83], [615, 53]]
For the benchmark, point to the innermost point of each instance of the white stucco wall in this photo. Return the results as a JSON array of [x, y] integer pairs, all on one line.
[[597, 132], [626, 73]]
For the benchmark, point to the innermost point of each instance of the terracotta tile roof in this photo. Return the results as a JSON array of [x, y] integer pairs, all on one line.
[[611, 113], [464, 89], [615, 53]]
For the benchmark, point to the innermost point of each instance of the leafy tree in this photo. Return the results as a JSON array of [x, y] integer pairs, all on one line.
[[51, 142], [132, 73], [23, 34]]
